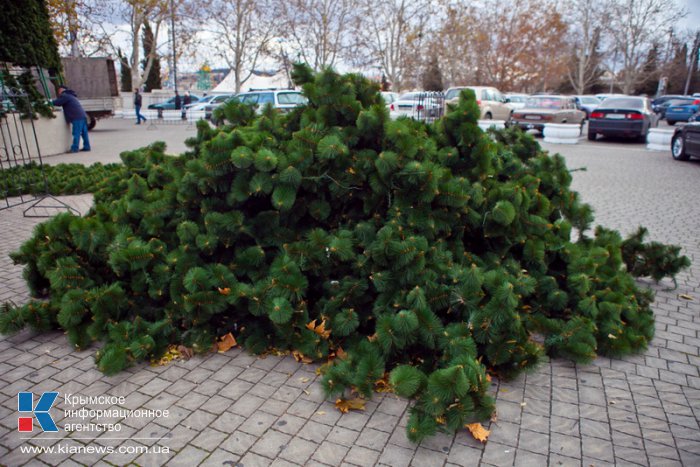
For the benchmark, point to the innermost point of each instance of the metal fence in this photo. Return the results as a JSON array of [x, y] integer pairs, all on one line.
[[430, 106], [22, 175]]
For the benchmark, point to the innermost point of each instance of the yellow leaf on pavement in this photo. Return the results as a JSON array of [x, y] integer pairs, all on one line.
[[478, 431], [345, 405], [226, 343], [300, 357]]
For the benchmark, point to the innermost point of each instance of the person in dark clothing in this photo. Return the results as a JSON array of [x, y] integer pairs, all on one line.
[[75, 115], [186, 100], [178, 102], [137, 106]]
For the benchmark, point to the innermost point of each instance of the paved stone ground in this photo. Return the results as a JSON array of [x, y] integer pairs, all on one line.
[[235, 409]]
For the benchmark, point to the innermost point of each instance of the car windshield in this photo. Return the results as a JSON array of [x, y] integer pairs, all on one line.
[[544, 103], [452, 93], [295, 98], [410, 96], [624, 103], [589, 100], [517, 98], [680, 102]]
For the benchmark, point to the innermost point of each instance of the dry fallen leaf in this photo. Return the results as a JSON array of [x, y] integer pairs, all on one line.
[[345, 405], [382, 385], [226, 343], [304, 380], [300, 357], [224, 291], [478, 432], [320, 329], [340, 353], [686, 296], [185, 352]]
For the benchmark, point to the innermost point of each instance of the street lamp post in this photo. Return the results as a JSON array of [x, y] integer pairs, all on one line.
[[172, 28]]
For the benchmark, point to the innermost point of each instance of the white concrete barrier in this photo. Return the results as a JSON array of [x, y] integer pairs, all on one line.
[[561, 133], [486, 124], [53, 135], [194, 115], [659, 139]]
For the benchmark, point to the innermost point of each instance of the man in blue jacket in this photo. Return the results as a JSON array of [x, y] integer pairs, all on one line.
[[75, 115]]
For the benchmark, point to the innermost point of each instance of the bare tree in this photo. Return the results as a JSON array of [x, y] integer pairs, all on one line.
[[635, 26], [243, 31], [519, 44], [317, 29], [392, 34], [587, 21], [456, 39]]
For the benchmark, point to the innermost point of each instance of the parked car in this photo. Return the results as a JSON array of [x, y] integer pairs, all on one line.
[[283, 100], [211, 100], [516, 101], [170, 103], [681, 113], [686, 142], [628, 116], [492, 103], [390, 97], [201, 102], [419, 105], [587, 103], [540, 110], [661, 104]]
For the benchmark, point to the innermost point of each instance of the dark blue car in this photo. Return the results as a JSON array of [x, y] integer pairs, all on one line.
[[681, 113]]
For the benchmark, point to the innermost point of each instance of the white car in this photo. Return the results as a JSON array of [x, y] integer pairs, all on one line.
[[516, 101], [212, 99], [420, 105], [390, 97]]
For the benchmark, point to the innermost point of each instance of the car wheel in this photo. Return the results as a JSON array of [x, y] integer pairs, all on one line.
[[592, 136], [678, 148], [488, 116], [670, 122], [92, 121]]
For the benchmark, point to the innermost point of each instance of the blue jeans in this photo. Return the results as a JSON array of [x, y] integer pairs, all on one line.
[[139, 117], [80, 129]]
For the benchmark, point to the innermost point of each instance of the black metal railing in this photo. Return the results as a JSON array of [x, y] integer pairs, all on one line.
[[22, 174], [430, 106]]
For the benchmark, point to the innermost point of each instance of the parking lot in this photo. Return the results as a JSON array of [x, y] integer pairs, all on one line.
[[236, 409]]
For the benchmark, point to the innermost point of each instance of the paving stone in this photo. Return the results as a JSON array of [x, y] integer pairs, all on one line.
[[498, 454], [598, 449], [533, 441], [290, 424], [314, 431], [563, 461], [529, 459], [298, 450], [255, 460], [209, 439], [330, 453], [247, 405], [221, 458], [238, 442], [565, 445], [361, 456], [271, 443], [344, 436], [258, 423]]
